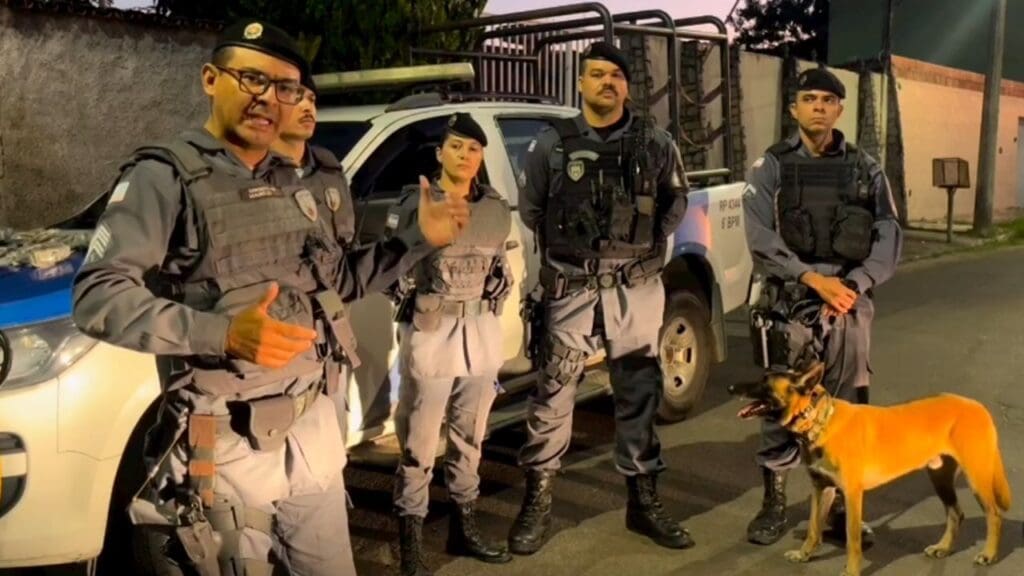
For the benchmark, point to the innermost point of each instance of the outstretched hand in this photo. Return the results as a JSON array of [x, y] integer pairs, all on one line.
[[441, 221]]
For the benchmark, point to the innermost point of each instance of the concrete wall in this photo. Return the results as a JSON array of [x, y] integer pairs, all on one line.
[[941, 109], [77, 94]]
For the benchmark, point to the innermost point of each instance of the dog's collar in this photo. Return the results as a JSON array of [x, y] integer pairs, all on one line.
[[811, 421]]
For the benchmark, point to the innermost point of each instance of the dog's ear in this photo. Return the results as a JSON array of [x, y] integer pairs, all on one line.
[[811, 377]]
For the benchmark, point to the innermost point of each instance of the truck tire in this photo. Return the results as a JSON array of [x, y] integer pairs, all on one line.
[[685, 353]]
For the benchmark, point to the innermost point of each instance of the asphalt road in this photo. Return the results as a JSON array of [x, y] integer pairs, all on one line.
[[954, 324]]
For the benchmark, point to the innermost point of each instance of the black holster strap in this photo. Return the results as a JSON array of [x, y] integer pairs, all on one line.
[[229, 521], [571, 354]]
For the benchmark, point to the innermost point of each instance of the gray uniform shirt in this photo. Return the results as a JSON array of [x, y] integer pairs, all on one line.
[[542, 175], [769, 250], [149, 229]]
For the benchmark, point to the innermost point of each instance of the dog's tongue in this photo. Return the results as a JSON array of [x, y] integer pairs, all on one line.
[[749, 411]]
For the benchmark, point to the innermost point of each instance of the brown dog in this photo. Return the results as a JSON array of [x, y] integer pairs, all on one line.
[[857, 448]]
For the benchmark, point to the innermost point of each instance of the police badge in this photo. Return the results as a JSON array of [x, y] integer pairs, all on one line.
[[575, 170], [333, 199], [253, 31], [306, 203]]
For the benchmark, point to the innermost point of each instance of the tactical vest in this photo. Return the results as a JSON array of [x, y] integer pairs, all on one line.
[[468, 277], [606, 205], [459, 271], [331, 190], [251, 232], [826, 209]]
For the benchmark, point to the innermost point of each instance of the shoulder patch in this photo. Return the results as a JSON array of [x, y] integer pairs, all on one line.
[[119, 192]]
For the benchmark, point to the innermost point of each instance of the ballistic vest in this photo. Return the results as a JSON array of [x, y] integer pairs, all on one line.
[[459, 271], [606, 205], [252, 232], [826, 208]]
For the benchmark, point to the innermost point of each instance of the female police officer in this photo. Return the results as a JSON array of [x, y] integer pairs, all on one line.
[[451, 350]]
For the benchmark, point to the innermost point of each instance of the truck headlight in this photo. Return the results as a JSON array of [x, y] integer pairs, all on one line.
[[39, 352]]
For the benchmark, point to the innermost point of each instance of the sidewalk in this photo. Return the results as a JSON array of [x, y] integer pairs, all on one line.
[[924, 243]]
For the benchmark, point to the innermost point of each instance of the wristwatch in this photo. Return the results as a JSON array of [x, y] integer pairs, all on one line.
[[852, 285]]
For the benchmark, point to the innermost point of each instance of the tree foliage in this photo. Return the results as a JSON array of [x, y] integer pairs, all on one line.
[[770, 26], [346, 34]]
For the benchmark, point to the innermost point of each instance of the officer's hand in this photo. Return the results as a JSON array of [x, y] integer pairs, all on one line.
[[828, 312], [255, 336], [832, 291], [441, 221]]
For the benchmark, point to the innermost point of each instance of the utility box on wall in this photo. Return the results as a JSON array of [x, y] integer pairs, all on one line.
[[950, 173]]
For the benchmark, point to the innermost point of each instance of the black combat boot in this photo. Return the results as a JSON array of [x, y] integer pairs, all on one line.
[[410, 533], [645, 514], [837, 524], [465, 539], [770, 523], [534, 520]]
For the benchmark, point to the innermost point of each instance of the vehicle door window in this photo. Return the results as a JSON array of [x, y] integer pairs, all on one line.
[[517, 134]]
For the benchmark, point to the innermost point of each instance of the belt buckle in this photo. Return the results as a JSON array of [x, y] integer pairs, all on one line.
[[606, 280], [472, 307]]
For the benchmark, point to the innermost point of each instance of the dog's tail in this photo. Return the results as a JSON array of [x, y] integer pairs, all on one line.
[[1000, 486]]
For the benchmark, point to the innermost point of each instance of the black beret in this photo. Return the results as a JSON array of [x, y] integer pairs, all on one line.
[[266, 38], [605, 51], [821, 79], [462, 124]]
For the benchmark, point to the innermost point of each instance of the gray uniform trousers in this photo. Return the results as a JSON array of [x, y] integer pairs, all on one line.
[[844, 346], [448, 374], [299, 485], [626, 322]]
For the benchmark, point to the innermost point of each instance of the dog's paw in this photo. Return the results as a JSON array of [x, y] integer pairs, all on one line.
[[936, 551], [797, 556], [983, 559]]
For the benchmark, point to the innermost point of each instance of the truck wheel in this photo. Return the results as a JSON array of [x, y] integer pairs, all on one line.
[[685, 352]]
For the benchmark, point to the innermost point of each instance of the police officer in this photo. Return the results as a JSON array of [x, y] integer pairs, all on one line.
[[451, 351], [212, 256], [601, 191], [321, 172], [821, 225]]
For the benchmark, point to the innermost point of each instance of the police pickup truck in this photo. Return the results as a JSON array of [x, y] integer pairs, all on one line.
[[73, 411]]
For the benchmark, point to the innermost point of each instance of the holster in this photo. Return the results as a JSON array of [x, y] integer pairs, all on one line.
[[200, 546], [531, 310]]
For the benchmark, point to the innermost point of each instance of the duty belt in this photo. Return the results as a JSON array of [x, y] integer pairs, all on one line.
[[468, 308], [557, 284]]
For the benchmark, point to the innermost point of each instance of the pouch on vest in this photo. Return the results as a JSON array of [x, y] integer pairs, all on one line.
[[797, 231], [342, 338], [426, 315], [852, 231]]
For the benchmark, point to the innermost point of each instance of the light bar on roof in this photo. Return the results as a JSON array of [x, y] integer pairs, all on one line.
[[398, 76]]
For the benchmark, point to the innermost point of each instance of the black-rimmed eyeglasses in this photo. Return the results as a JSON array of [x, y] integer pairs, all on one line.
[[257, 84]]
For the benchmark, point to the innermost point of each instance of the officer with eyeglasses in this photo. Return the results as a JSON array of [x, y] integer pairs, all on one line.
[[214, 255]]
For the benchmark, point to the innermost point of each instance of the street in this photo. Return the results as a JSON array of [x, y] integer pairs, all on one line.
[[954, 324]]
